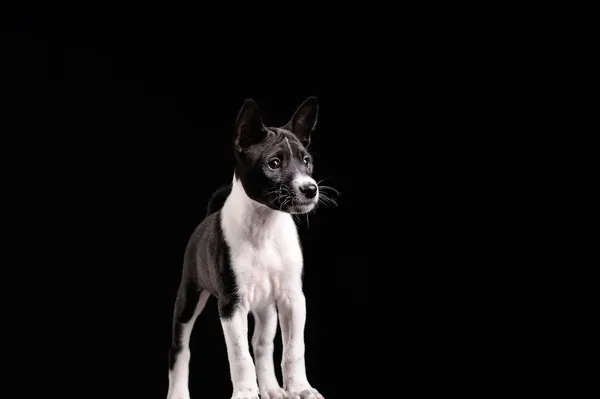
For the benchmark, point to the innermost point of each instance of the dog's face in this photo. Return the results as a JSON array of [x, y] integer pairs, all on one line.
[[273, 163]]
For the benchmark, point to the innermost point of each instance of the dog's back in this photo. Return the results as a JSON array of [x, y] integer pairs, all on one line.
[[246, 253], [217, 200]]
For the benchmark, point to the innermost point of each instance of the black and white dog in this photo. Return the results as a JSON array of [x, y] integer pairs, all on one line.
[[247, 254]]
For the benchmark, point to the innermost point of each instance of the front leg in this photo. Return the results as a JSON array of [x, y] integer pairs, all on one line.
[[292, 312], [241, 367], [265, 328]]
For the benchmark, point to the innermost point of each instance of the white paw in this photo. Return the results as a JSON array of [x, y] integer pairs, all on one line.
[[304, 393], [273, 393], [245, 393], [178, 395]]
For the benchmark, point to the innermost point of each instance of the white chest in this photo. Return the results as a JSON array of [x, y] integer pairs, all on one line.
[[265, 271], [266, 257]]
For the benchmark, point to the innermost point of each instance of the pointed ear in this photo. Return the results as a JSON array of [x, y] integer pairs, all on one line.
[[249, 128], [304, 120]]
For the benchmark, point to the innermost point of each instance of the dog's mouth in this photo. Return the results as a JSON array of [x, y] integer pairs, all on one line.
[[301, 208], [293, 204]]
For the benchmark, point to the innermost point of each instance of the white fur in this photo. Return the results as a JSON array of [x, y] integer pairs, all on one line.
[[178, 377], [289, 147], [265, 328], [267, 262], [302, 179]]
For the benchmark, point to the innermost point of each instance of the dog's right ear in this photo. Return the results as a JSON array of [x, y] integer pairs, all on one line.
[[249, 127]]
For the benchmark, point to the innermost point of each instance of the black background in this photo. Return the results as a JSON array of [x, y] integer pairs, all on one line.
[[120, 124]]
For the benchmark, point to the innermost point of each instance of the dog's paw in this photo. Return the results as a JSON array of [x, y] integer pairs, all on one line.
[[178, 395], [273, 393], [304, 393], [245, 393]]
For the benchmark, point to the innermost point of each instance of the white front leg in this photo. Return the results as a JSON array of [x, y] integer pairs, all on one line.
[[292, 312], [241, 367], [265, 328]]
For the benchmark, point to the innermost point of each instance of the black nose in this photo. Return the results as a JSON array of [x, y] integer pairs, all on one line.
[[309, 191]]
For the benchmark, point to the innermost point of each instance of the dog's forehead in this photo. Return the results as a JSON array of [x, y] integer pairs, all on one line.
[[283, 139]]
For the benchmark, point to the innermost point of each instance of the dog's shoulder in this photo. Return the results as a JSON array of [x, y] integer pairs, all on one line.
[[217, 200]]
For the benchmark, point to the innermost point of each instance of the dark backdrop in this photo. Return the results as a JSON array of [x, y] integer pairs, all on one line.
[[120, 125]]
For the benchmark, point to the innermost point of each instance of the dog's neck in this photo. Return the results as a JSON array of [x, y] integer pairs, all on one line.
[[249, 217]]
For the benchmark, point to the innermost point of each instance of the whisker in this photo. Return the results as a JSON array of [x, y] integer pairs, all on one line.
[[326, 193], [325, 200], [282, 193], [329, 188], [288, 199]]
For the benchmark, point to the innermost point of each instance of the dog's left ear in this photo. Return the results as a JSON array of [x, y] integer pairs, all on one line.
[[304, 120]]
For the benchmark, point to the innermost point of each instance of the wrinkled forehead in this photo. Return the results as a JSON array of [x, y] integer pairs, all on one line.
[[282, 140]]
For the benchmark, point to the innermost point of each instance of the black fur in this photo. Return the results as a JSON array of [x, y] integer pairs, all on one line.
[[256, 145], [217, 200], [304, 120], [207, 264], [207, 267], [185, 304], [207, 258]]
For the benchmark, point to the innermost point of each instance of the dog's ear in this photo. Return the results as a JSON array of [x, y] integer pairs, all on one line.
[[249, 127], [304, 120]]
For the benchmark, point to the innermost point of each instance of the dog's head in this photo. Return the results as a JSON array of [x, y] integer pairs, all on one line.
[[272, 163]]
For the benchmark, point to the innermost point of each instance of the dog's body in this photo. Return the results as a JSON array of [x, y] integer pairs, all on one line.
[[247, 254]]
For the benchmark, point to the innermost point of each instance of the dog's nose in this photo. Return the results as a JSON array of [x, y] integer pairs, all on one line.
[[309, 190]]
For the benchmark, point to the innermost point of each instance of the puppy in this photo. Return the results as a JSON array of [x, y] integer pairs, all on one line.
[[247, 254]]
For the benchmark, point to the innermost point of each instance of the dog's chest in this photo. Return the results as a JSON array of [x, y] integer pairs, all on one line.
[[266, 263]]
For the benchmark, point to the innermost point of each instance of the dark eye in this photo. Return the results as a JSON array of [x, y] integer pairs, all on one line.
[[306, 160], [274, 163]]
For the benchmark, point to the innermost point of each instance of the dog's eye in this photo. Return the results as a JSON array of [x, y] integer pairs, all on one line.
[[306, 160], [274, 163]]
